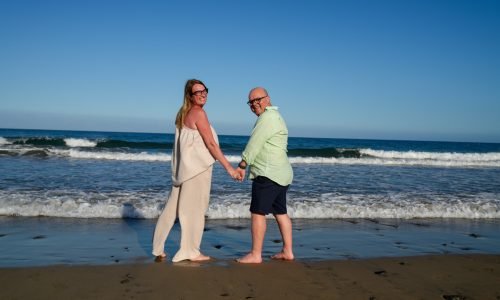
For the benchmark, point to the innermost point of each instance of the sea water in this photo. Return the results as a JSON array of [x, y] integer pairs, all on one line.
[[78, 174]]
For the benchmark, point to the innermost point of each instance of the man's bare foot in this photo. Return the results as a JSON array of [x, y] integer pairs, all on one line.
[[250, 258], [283, 256], [160, 257], [200, 257]]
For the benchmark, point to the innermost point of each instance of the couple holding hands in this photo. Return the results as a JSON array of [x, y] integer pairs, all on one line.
[[195, 151]]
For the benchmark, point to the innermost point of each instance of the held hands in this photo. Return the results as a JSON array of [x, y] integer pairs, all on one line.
[[241, 173], [237, 174]]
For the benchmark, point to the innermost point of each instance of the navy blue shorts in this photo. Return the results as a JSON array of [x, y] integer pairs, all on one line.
[[268, 197]]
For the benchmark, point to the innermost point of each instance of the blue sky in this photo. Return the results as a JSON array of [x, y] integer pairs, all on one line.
[[418, 70]]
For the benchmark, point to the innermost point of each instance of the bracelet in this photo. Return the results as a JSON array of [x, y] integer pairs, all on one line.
[[239, 166]]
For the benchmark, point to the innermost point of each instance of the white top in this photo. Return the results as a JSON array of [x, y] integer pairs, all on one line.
[[190, 155]]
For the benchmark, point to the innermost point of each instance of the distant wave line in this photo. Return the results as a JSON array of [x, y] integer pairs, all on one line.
[[418, 155], [373, 157], [83, 142]]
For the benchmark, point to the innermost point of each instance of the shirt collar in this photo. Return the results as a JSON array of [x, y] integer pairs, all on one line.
[[271, 108]]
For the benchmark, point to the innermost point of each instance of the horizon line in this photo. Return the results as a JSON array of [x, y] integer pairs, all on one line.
[[242, 135]]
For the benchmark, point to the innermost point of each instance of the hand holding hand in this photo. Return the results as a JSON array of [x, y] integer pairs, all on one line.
[[241, 173], [235, 174]]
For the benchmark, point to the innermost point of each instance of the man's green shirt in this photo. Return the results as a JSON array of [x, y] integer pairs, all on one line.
[[266, 150]]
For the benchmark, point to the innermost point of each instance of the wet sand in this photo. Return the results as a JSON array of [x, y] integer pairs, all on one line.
[[29, 242], [423, 277]]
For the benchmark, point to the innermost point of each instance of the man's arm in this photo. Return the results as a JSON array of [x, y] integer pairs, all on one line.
[[263, 130]]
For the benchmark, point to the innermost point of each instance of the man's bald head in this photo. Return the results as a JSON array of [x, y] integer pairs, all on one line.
[[258, 99]]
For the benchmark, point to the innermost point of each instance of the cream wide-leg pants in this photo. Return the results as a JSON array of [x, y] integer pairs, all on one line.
[[188, 202]]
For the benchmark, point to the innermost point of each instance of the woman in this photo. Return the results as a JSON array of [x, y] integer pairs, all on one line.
[[195, 151]]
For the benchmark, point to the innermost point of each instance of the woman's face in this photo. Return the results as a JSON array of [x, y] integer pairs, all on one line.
[[199, 94]]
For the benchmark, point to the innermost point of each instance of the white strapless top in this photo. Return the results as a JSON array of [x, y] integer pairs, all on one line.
[[190, 155]]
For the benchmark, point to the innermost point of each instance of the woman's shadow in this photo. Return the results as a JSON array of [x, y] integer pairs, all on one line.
[[142, 227]]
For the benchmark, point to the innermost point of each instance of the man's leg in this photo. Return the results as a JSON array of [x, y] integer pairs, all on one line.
[[285, 226], [258, 233]]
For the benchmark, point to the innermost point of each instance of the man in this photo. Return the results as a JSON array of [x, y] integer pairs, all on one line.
[[271, 173]]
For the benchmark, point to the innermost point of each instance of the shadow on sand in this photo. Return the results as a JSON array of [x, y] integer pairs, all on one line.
[[142, 227]]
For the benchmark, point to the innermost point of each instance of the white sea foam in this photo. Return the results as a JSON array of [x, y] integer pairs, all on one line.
[[410, 158], [72, 142], [393, 162], [233, 158], [329, 206], [374, 157], [439, 156], [81, 205], [3, 141], [404, 206], [108, 155]]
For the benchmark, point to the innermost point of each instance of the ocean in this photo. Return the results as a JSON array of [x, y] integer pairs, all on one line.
[[81, 174]]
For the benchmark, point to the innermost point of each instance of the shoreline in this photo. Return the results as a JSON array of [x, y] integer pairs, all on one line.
[[30, 242], [417, 277]]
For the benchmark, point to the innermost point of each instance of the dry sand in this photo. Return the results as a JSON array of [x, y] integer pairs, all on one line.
[[421, 277]]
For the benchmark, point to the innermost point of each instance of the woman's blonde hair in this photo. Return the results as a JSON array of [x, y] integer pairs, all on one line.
[[186, 105]]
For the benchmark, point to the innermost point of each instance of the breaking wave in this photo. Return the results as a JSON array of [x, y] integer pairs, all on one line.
[[78, 204]]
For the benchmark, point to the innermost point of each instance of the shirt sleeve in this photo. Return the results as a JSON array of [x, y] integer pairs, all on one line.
[[264, 128]]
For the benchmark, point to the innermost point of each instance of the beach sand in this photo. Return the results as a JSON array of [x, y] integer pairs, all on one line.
[[422, 277], [58, 258]]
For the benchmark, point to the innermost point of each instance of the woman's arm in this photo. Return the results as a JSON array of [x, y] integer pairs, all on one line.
[[203, 126]]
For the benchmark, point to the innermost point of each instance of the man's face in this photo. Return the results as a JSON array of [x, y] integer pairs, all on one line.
[[258, 100]]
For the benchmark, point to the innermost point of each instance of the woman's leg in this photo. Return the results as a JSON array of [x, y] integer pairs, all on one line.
[[165, 222], [193, 204]]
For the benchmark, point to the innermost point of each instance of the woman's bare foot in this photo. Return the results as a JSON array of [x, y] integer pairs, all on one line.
[[250, 258], [200, 257], [160, 257], [283, 256]]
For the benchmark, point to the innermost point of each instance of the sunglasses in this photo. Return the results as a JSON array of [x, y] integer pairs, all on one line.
[[256, 100], [202, 92]]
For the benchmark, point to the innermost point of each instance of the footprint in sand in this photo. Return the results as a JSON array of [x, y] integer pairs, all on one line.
[[127, 279]]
